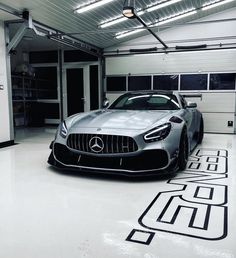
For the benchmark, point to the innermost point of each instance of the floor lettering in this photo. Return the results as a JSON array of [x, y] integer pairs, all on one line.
[[196, 208]]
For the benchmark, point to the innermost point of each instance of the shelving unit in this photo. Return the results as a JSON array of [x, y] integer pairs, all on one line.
[[28, 96]]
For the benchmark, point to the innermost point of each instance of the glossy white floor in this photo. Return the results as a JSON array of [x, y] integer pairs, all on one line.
[[49, 214]]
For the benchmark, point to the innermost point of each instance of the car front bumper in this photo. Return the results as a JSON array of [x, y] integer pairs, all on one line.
[[144, 162]]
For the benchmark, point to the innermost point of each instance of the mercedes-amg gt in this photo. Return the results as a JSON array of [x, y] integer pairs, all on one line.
[[140, 132]]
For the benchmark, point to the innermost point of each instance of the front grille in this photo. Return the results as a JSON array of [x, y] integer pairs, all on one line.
[[147, 160], [109, 143]]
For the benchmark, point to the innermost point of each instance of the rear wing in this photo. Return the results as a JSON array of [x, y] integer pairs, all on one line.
[[192, 95]]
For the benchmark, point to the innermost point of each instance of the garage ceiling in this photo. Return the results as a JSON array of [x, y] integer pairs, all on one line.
[[60, 15], [6, 16]]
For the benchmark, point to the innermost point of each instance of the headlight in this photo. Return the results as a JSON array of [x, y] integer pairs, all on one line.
[[158, 133], [63, 130]]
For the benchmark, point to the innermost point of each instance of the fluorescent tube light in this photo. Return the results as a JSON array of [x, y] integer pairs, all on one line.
[[161, 5], [215, 4], [112, 22], [126, 34], [175, 17], [139, 13], [91, 6]]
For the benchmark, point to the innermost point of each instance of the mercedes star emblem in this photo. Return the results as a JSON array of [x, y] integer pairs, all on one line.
[[96, 144]]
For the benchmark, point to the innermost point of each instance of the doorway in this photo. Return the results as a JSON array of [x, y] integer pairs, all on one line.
[[81, 88], [75, 90]]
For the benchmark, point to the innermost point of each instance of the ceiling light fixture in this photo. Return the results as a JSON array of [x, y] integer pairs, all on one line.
[[129, 10], [87, 7], [215, 4], [151, 8], [161, 5]]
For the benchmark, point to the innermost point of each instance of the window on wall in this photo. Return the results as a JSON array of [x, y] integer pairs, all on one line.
[[43, 57], [78, 56], [139, 83], [116, 83], [193, 82], [94, 87], [165, 82], [222, 81], [45, 82]]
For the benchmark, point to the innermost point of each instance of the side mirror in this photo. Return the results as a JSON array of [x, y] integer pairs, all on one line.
[[191, 104], [105, 103]]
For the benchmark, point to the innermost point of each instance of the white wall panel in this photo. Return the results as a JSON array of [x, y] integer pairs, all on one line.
[[190, 62], [4, 101], [218, 108], [217, 122], [221, 102]]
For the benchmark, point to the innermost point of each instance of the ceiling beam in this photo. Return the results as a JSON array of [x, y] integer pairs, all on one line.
[[10, 10], [151, 32]]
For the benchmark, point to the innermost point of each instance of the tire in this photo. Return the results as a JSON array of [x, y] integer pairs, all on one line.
[[183, 150], [201, 132]]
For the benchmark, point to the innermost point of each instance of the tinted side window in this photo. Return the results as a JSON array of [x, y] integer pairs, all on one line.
[[116, 83], [165, 82], [193, 82], [139, 83], [222, 81]]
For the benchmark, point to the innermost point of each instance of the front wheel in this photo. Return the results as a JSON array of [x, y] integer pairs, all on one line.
[[183, 150]]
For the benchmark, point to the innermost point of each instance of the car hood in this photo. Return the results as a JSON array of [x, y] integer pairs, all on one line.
[[120, 119]]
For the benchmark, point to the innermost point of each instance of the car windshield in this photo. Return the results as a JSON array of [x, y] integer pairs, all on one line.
[[146, 102]]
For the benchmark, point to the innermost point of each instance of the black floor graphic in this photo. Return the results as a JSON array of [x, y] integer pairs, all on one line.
[[197, 207]]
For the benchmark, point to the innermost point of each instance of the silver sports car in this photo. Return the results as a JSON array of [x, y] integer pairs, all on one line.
[[140, 132]]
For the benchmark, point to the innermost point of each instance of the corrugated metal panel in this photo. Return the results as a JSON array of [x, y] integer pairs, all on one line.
[[59, 15]]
